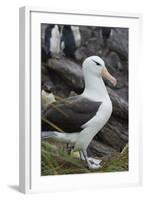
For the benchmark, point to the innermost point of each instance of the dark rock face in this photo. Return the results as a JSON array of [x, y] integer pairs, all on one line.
[[63, 77], [69, 71], [120, 106], [118, 45], [98, 148]]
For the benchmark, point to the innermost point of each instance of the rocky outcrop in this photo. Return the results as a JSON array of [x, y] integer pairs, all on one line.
[[69, 71], [118, 42], [97, 148]]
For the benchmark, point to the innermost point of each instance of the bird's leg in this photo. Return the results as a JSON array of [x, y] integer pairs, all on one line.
[[81, 155], [91, 160], [91, 165], [69, 148], [86, 158]]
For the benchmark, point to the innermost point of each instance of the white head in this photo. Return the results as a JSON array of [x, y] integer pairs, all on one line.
[[96, 66]]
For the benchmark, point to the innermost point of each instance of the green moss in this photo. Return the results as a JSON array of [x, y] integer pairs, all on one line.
[[55, 161], [118, 163]]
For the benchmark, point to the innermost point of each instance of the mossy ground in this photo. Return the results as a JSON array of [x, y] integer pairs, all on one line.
[[55, 160], [117, 163]]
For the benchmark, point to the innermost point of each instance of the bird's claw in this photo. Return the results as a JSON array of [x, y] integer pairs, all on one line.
[[94, 166], [94, 161]]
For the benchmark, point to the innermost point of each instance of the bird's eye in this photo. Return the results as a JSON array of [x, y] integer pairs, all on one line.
[[96, 62]]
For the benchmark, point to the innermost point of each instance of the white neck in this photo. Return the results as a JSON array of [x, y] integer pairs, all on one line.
[[94, 87]]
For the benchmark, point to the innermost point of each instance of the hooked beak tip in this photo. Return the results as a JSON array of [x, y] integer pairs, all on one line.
[[108, 76]]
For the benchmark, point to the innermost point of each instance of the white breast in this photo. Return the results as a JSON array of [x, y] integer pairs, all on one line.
[[93, 126], [102, 116]]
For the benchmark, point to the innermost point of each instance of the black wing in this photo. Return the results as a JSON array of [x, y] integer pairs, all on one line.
[[69, 115]]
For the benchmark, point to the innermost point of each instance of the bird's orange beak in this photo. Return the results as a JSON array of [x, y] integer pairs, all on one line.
[[108, 76]]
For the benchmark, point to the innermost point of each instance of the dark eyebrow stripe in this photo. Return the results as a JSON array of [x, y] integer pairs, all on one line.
[[96, 62]]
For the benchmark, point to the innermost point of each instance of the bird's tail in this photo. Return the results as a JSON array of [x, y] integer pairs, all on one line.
[[48, 134], [64, 137]]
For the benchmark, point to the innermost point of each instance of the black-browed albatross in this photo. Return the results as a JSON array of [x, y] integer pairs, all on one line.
[[81, 117]]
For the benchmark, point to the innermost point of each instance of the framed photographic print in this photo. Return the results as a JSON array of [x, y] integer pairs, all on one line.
[[79, 116]]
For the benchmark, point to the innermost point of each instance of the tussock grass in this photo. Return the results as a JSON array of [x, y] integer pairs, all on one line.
[[118, 163], [55, 161]]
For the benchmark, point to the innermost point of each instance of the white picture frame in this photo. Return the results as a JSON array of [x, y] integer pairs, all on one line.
[[30, 178]]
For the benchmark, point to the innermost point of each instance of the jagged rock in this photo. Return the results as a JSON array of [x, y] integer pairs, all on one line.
[[113, 62], [113, 136], [100, 149], [46, 82], [118, 42], [81, 53], [69, 71], [120, 106], [86, 33], [94, 46], [61, 89]]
